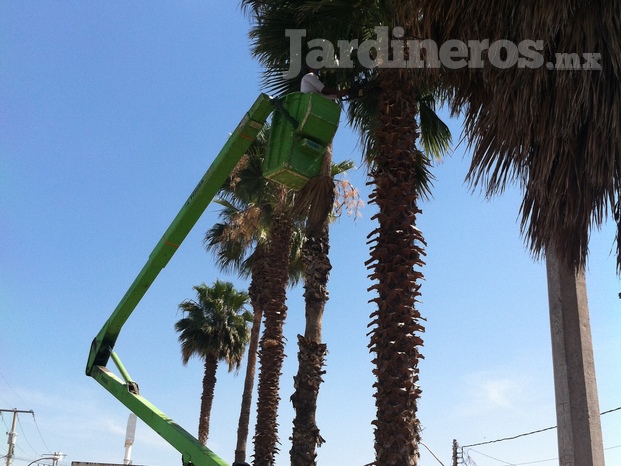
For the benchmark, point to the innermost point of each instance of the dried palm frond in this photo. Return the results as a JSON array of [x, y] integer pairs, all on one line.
[[314, 202], [347, 199], [556, 132]]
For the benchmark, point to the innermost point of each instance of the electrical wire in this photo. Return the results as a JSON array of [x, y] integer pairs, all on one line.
[[4, 400], [12, 389], [510, 438], [513, 464], [24, 433], [528, 433], [432, 453], [39, 430], [491, 457], [4, 422], [610, 411], [16, 445], [19, 422], [467, 459], [523, 464], [538, 461]]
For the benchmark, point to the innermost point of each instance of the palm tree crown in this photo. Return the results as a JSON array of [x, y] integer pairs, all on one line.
[[390, 122], [215, 324], [214, 328], [554, 131]]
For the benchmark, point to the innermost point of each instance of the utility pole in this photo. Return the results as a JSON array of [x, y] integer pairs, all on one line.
[[12, 435], [579, 428], [55, 457], [454, 452]]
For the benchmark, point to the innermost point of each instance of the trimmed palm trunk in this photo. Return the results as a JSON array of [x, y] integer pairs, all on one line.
[[396, 252], [256, 300], [311, 353], [209, 383], [271, 346]]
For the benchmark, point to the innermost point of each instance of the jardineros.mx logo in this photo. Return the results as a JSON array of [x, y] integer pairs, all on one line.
[[395, 52]]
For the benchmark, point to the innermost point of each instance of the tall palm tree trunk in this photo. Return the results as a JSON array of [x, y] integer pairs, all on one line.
[[397, 250], [312, 352], [209, 383], [256, 300], [271, 352]]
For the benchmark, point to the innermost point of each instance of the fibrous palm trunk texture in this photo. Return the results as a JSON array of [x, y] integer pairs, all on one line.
[[260, 268], [312, 352], [396, 252], [209, 384], [271, 346]]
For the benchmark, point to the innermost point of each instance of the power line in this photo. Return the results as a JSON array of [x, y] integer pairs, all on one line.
[[3, 421], [12, 389], [12, 434], [526, 463], [491, 457], [512, 464], [39, 430], [510, 438], [467, 460], [535, 462], [528, 433], [22, 450], [19, 422], [610, 411], [432, 453]]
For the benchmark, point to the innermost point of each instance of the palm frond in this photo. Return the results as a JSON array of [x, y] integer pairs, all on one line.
[[215, 324], [435, 134], [555, 132], [342, 167]]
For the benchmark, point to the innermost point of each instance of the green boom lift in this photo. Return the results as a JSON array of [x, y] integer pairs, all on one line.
[[302, 127]]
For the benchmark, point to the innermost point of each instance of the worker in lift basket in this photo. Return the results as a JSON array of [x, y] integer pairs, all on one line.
[[311, 83]]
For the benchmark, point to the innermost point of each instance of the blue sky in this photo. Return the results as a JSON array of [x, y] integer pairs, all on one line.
[[110, 113]]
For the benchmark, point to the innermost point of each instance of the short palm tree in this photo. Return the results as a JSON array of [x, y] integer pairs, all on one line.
[[214, 328]]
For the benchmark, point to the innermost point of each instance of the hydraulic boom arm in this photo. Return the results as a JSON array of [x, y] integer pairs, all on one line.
[[101, 349], [298, 142]]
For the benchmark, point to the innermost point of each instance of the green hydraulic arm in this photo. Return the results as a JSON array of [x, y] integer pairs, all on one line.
[[126, 391], [302, 128]]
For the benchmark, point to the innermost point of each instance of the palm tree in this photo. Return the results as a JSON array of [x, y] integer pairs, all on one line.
[[245, 226], [271, 345], [232, 252], [399, 173], [241, 243], [249, 201], [557, 133], [319, 193], [214, 328]]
